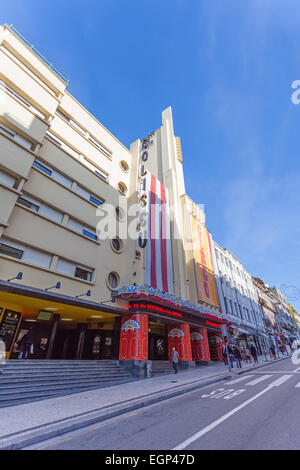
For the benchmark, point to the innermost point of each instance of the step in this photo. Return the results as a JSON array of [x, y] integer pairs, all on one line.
[[42, 379], [35, 395]]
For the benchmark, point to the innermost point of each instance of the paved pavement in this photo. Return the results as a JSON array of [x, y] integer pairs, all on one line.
[[256, 410], [30, 423]]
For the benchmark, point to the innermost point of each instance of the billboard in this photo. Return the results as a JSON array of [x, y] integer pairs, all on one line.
[[207, 290]]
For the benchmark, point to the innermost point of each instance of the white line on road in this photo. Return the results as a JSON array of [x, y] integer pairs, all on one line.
[[296, 370], [190, 440], [235, 381], [280, 381], [298, 385], [260, 379]]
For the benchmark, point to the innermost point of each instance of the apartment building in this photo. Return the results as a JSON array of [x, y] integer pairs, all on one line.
[[85, 294], [284, 319], [238, 298]]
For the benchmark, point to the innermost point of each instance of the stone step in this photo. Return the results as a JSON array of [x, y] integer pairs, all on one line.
[[55, 385], [6, 380]]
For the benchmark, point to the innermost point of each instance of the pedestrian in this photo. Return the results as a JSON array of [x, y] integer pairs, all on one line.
[[243, 353], [272, 352], [237, 357], [26, 344], [253, 352], [224, 354], [175, 357], [230, 355], [248, 355]]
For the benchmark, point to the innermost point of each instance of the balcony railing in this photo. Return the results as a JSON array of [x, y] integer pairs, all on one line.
[[38, 53]]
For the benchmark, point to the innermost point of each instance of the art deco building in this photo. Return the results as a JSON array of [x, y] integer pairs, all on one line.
[[133, 295]]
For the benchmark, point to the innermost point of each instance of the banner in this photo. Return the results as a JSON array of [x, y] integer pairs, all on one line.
[[207, 291]]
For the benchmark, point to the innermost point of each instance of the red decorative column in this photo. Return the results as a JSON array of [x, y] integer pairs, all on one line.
[[134, 338], [200, 347], [179, 337]]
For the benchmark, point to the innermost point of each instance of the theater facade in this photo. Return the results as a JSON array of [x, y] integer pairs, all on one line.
[[130, 292]]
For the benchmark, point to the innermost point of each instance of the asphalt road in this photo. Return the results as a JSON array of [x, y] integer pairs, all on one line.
[[258, 410]]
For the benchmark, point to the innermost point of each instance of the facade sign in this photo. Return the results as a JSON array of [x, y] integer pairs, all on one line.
[[8, 327], [207, 291]]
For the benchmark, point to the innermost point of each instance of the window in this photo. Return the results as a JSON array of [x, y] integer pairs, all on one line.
[[42, 167], [117, 244], [13, 135], [26, 253], [124, 166], [71, 122], [53, 173], [88, 196], [41, 208], [231, 307], [67, 267], [99, 146], [16, 95], [113, 280], [10, 251], [83, 274], [78, 227], [95, 169], [120, 213], [122, 188], [27, 203], [63, 145], [89, 233], [7, 179]]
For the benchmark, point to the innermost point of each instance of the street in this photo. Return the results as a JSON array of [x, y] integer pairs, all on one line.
[[257, 410]]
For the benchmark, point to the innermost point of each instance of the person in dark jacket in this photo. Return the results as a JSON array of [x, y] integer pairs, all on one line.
[[175, 360], [26, 344], [253, 352], [237, 356], [230, 355]]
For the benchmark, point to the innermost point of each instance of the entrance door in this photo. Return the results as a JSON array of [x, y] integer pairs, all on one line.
[[65, 346], [97, 344], [158, 347], [41, 333], [213, 345]]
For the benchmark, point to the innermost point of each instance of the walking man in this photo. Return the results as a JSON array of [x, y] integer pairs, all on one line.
[[237, 357], [253, 352], [175, 357]]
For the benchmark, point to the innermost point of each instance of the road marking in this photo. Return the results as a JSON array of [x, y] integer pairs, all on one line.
[[296, 370], [183, 445], [260, 379], [298, 385], [235, 381], [280, 381]]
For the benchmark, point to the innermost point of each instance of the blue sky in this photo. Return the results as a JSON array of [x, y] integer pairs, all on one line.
[[226, 68]]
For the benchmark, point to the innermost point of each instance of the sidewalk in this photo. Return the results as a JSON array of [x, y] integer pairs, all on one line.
[[27, 424]]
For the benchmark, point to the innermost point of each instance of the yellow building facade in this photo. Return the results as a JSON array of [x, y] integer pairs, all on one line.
[[61, 173]]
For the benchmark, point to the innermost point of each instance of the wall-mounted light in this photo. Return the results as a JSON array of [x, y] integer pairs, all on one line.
[[57, 286], [88, 294], [19, 277]]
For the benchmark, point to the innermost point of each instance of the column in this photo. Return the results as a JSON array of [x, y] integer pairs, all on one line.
[[200, 347], [55, 321], [134, 338], [179, 337], [82, 327]]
